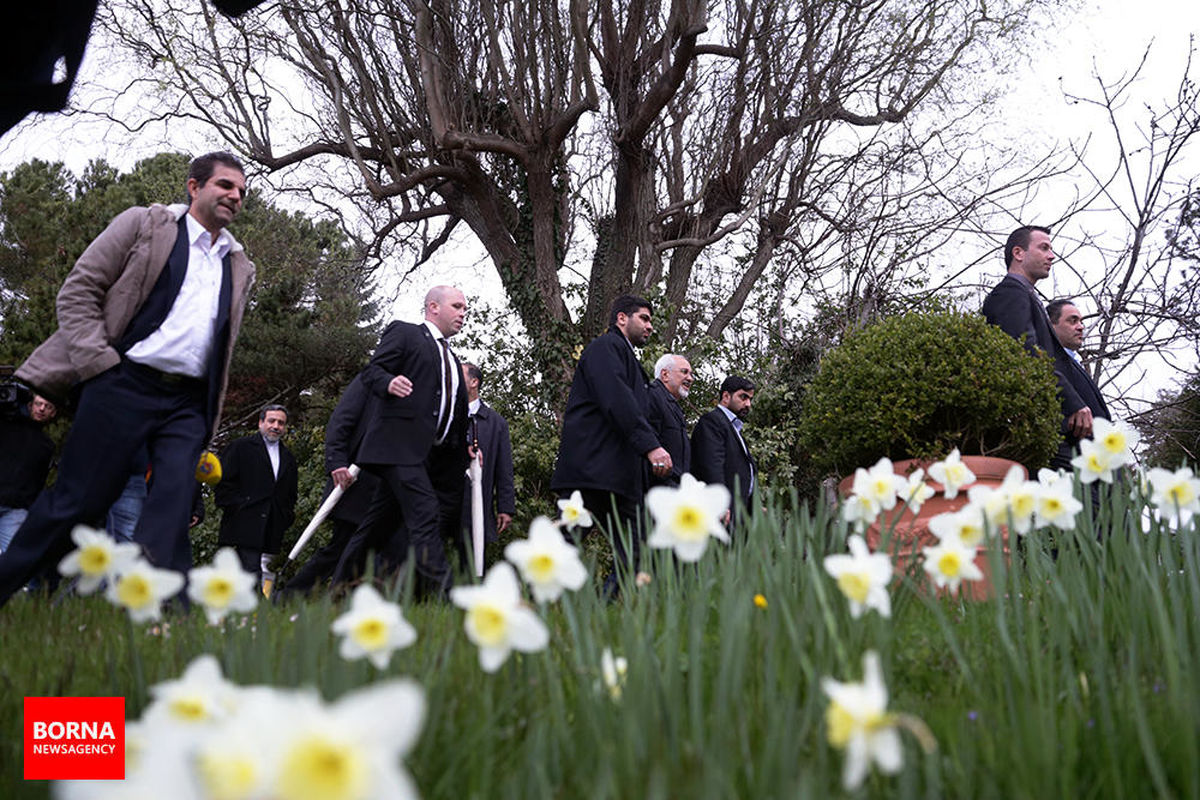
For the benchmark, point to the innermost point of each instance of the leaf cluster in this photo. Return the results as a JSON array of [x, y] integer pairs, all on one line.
[[919, 385]]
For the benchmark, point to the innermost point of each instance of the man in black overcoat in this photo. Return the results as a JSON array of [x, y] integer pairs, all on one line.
[[343, 434], [415, 442], [1067, 323], [1014, 306], [257, 492], [671, 384], [488, 431], [720, 454], [606, 437]]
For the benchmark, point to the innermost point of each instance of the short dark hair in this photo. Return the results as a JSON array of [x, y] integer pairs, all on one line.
[[1054, 308], [1020, 238], [736, 383], [474, 372], [202, 167], [272, 407], [628, 304]]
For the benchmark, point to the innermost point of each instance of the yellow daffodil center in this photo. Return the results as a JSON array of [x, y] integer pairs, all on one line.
[[541, 568], [971, 534], [1094, 464], [188, 709], [1022, 505], [688, 524], [854, 585], [842, 725], [94, 560], [227, 777], [1180, 495], [218, 592], [570, 513], [134, 592], [319, 769], [1114, 442], [489, 623], [370, 633], [950, 564]]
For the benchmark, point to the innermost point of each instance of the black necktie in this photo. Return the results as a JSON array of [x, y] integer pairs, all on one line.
[[447, 389]]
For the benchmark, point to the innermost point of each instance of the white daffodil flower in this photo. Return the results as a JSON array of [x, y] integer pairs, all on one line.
[[547, 562], [880, 483], [613, 670], [1022, 500], [950, 562], [685, 517], [857, 721], [97, 557], [952, 474], [966, 525], [914, 491], [863, 577], [141, 590], [1056, 501], [859, 510], [572, 512], [1175, 494], [199, 698], [1116, 440], [223, 586], [497, 621], [993, 505], [1093, 462], [373, 628]]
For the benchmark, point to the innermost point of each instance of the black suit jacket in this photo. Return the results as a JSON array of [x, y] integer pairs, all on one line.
[[1017, 310], [605, 433], [666, 418], [402, 430], [718, 456], [343, 434], [257, 508], [491, 431]]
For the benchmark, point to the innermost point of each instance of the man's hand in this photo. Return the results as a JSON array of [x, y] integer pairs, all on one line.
[[400, 386], [660, 461], [1080, 423], [502, 522], [342, 478]]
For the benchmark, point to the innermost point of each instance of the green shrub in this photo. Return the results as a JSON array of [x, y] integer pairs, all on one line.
[[919, 385]]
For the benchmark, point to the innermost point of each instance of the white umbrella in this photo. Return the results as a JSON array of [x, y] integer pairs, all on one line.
[[475, 471], [322, 513]]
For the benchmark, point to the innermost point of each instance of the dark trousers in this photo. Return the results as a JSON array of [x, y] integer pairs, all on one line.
[[119, 411], [619, 517], [416, 506], [324, 561]]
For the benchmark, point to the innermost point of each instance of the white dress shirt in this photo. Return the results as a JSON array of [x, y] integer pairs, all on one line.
[[455, 375], [183, 342]]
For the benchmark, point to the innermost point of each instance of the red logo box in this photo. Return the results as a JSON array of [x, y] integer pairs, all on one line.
[[74, 738]]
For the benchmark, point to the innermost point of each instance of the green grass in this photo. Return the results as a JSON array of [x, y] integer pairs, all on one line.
[[1077, 681]]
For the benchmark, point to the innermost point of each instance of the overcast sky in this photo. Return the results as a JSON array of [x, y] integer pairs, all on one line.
[[1105, 35]]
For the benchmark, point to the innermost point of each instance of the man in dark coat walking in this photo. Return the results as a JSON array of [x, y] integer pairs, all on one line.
[[1015, 307], [606, 437], [343, 435], [487, 431], [720, 454], [416, 443], [672, 383], [257, 493]]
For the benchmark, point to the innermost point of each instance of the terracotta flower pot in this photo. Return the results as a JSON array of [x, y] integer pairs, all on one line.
[[911, 532]]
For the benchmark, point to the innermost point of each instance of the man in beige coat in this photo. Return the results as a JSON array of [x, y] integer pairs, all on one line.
[[147, 322]]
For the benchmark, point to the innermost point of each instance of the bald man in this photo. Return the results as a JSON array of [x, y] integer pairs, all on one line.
[[415, 442]]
